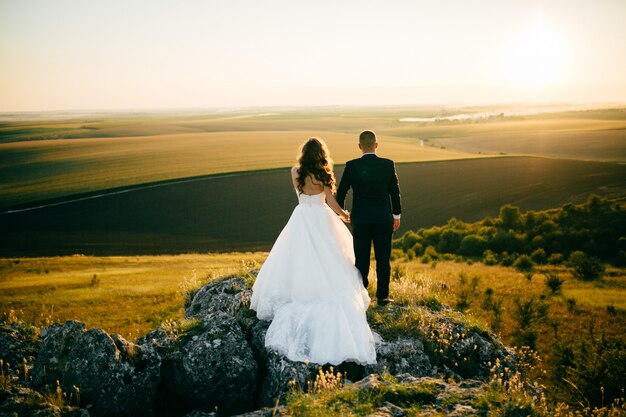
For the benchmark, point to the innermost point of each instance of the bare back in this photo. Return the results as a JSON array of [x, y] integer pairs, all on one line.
[[311, 186]]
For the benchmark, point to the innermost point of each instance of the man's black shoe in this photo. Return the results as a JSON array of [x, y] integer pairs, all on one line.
[[385, 301]]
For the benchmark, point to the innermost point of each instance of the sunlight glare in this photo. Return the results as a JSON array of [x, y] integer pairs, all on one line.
[[535, 58]]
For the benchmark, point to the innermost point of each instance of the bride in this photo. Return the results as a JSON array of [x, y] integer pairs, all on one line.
[[309, 286]]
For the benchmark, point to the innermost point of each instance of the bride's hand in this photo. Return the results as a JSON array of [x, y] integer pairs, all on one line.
[[345, 216]]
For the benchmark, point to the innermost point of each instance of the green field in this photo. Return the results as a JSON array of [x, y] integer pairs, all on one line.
[[51, 156]]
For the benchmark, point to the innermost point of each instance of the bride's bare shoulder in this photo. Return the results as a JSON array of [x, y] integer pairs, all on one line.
[[294, 170]]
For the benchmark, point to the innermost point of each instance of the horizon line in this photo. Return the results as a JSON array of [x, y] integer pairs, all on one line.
[[220, 109]]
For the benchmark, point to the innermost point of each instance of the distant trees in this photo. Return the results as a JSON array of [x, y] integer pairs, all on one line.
[[585, 267], [584, 235]]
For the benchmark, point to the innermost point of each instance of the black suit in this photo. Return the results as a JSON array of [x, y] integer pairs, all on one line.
[[375, 198]]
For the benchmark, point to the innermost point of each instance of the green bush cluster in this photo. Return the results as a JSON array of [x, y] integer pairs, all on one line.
[[583, 235]]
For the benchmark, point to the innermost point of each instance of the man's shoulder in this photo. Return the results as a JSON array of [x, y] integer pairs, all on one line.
[[386, 161]]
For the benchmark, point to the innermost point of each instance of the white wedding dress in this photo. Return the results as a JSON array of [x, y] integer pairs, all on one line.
[[312, 292]]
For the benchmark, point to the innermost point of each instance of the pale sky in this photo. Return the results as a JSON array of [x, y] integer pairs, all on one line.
[[142, 54]]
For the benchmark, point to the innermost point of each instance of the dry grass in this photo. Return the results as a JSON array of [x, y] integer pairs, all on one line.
[[129, 295]]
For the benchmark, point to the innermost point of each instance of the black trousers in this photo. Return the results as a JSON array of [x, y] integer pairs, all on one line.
[[363, 236]]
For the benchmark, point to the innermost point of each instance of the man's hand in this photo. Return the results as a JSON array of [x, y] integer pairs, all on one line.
[[396, 224]]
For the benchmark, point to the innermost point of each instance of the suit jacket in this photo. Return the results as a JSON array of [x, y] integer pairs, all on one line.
[[375, 190]]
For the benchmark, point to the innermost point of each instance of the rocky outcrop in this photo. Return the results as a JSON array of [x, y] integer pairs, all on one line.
[[434, 396], [111, 375], [278, 371], [402, 356], [230, 296], [214, 363], [19, 343], [210, 366]]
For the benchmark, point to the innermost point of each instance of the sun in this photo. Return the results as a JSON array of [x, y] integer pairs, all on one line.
[[536, 57]]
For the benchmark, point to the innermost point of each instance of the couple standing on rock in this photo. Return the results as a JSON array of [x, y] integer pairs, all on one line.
[[313, 283]]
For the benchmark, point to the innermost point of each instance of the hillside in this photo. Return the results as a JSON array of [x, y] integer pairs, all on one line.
[[247, 211]]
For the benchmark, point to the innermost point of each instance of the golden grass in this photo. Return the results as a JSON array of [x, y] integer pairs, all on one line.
[[135, 294], [129, 295]]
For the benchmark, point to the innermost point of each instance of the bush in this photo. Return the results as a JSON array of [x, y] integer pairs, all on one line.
[[418, 249], [449, 241], [585, 267], [524, 263], [528, 313], [409, 239], [489, 258], [539, 256], [506, 259], [510, 217], [554, 282], [396, 254], [555, 259], [473, 245]]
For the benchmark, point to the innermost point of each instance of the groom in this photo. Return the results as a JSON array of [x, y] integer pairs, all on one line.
[[375, 210]]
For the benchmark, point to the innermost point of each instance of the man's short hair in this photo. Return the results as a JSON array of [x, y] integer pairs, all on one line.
[[367, 138]]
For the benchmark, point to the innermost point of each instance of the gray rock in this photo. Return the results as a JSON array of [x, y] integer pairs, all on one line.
[[19, 343], [402, 356], [279, 372], [197, 413], [114, 376], [225, 295], [22, 401], [280, 411], [211, 366]]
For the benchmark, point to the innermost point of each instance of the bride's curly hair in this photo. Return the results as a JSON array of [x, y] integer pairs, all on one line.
[[314, 159]]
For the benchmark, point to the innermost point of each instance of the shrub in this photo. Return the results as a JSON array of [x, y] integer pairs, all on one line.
[[571, 304], [528, 313], [409, 239], [396, 254], [555, 259], [489, 258], [506, 259], [472, 245], [449, 241], [418, 249], [510, 217], [397, 272], [431, 253], [523, 263], [539, 256], [585, 267], [554, 282]]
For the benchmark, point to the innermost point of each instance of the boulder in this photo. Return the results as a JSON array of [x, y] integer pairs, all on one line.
[[277, 372], [280, 411], [401, 356], [114, 376], [210, 365], [22, 401], [19, 343], [197, 413], [228, 295]]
